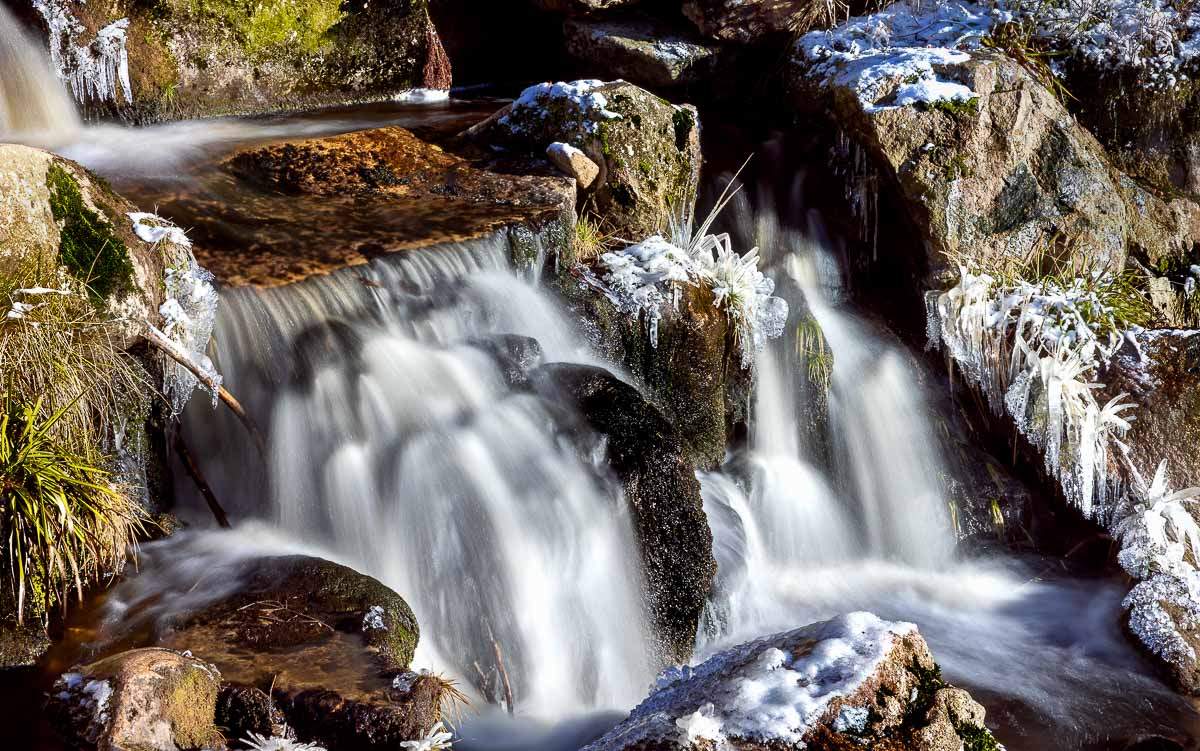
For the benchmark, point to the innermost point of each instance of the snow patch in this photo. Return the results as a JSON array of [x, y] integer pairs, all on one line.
[[578, 101], [773, 690]]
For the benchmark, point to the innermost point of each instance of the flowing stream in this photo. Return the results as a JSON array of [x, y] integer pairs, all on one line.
[[398, 444]]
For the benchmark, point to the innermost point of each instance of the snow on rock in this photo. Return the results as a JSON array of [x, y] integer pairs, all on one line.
[[784, 691], [577, 102], [96, 68], [644, 280]]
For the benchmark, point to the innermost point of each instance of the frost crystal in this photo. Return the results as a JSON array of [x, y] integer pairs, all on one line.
[[435, 739], [256, 742], [373, 620], [1033, 350], [646, 279], [96, 69]]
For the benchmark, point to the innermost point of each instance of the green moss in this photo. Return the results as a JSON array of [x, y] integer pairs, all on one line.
[[88, 247], [976, 738], [190, 706], [956, 108], [263, 27], [958, 167]]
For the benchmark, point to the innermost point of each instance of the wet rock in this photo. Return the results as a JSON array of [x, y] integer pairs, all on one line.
[[386, 191], [159, 60], [583, 7], [242, 710], [1002, 173], [573, 163], [20, 645], [382, 724], [866, 683], [646, 454], [142, 699], [648, 149], [516, 356], [645, 52]]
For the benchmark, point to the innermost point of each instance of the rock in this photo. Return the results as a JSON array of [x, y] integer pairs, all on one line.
[[56, 213], [644, 52], [516, 356], [242, 710], [757, 20], [387, 190], [155, 699], [156, 60], [330, 645], [994, 176], [646, 454], [573, 163], [648, 150], [20, 645], [851, 682]]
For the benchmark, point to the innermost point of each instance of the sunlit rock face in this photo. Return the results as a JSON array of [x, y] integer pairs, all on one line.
[[833, 685], [170, 60]]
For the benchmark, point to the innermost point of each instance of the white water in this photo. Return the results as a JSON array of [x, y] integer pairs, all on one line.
[[799, 541], [34, 105], [397, 446]]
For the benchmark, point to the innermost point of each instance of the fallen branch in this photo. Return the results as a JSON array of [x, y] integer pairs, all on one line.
[[176, 353], [193, 470], [508, 695]]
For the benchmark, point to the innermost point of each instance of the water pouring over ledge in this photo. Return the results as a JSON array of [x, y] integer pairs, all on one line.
[[34, 105]]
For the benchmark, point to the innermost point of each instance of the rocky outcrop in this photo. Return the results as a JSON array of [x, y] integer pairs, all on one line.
[[147, 61], [759, 20], [143, 699], [648, 149], [645, 52], [387, 191], [851, 682], [644, 451]]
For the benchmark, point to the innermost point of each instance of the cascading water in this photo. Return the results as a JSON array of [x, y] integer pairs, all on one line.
[[801, 536], [34, 105], [398, 446]]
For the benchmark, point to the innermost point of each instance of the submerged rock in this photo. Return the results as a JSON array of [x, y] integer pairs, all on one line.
[[153, 699], [851, 682], [340, 201], [644, 451], [648, 149], [157, 60]]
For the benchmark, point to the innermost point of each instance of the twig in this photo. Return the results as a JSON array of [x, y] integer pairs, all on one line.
[[172, 350], [508, 695], [193, 470]]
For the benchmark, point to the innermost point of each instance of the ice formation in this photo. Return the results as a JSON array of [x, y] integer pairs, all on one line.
[[189, 312], [1033, 351], [257, 742], [770, 691], [646, 279], [435, 739], [97, 70], [576, 102]]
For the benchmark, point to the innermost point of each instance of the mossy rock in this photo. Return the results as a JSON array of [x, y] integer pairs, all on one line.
[[192, 58], [141, 700], [648, 150]]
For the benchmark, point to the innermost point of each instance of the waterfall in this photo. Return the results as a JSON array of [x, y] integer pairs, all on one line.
[[34, 105], [398, 444]]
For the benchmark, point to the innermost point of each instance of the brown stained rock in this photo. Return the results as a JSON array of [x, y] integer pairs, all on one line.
[[327, 203], [438, 73], [142, 699], [573, 163]]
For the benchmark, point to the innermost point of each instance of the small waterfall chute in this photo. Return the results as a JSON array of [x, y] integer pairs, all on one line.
[[34, 104]]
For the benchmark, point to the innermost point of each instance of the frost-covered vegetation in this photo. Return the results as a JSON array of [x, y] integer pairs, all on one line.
[[1034, 350], [647, 279]]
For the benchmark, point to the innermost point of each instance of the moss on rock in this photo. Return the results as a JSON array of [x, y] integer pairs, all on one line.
[[89, 247]]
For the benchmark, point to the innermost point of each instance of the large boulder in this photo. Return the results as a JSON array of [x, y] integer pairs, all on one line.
[[166, 59], [152, 699], [648, 149], [851, 682], [388, 190], [644, 451], [758, 20], [989, 163]]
